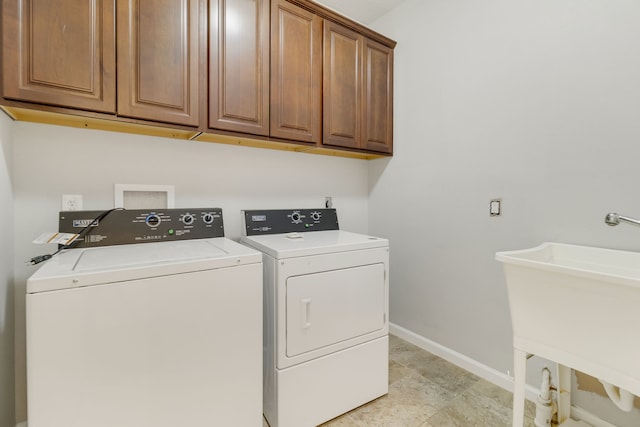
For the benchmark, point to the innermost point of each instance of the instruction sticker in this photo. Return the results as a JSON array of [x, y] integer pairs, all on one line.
[[59, 238]]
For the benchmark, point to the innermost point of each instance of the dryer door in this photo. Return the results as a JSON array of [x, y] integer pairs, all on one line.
[[330, 307]]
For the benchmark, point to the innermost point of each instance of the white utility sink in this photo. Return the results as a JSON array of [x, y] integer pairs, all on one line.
[[578, 306]]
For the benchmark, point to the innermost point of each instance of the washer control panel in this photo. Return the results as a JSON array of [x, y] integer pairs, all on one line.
[[257, 222], [120, 227]]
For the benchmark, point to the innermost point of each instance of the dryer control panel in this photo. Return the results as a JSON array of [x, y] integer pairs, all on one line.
[[275, 221], [120, 227]]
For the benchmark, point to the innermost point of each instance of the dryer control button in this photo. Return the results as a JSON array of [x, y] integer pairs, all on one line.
[[296, 218], [208, 218]]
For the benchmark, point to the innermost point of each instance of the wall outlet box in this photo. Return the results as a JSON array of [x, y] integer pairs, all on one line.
[[328, 202], [141, 196], [71, 202]]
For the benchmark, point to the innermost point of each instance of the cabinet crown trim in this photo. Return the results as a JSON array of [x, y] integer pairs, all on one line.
[[334, 16]]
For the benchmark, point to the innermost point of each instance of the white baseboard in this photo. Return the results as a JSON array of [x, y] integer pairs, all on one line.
[[485, 372], [588, 417]]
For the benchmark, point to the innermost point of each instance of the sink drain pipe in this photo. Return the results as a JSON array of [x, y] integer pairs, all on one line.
[[622, 398], [544, 405]]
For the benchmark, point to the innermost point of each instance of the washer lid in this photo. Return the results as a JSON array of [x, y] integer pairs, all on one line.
[[291, 245], [94, 266]]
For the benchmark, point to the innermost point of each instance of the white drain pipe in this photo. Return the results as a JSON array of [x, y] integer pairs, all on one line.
[[544, 405], [621, 397]]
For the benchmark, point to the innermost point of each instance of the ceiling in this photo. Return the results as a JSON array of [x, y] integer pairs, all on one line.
[[364, 11]]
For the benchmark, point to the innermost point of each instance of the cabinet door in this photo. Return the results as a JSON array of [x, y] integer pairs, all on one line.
[[239, 66], [296, 73], [60, 53], [158, 60], [342, 86], [377, 106]]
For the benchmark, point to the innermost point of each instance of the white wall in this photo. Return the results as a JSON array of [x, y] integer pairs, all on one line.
[[535, 102], [7, 417], [50, 161]]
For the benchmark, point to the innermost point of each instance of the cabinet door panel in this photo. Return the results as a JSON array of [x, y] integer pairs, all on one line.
[[342, 85], [60, 53], [378, 97], [158, 52], [239, 66], [296, 73]]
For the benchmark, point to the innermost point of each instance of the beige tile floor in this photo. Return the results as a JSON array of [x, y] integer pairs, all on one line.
[[427, 391]]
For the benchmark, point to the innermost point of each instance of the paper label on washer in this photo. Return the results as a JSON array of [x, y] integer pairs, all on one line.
[[55, 237]]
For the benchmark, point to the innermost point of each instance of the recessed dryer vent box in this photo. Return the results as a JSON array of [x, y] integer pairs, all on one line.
[[137, 196]]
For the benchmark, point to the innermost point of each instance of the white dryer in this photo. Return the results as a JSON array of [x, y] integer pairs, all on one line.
[[159, 334], [325, 315]]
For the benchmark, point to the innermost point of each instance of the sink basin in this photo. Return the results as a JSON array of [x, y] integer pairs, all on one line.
[[578, 306]]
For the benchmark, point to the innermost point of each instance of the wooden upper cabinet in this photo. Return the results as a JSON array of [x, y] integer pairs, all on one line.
[[342, 86], [286, 69], [377, 106], [158, 60], [357, 91], [239, 66], [60, 53], [296, 73]]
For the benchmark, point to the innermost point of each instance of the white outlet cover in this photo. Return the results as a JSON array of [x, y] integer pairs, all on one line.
[[141, 196], [495, 206], [71, 202]]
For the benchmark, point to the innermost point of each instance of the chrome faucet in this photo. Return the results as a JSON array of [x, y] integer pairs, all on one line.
[[614, 219]]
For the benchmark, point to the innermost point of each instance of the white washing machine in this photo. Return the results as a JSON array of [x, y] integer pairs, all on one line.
[[160, 334], [325, 315]]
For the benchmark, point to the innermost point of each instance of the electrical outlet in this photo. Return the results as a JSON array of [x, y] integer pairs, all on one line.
[[72, 202], [495, 207], [328, 202]]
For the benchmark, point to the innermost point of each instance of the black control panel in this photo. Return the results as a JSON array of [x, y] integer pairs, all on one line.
[[120, 227], [257, 222]]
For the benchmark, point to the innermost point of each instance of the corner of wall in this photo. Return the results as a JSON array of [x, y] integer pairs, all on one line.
[[7, 273]]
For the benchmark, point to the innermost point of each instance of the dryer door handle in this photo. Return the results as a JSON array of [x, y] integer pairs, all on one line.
[[306, 310]]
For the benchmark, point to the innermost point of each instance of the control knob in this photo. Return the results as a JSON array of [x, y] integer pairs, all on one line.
[[208, 218], [295, 218], [152, 220], [188, 219], [316, 216]]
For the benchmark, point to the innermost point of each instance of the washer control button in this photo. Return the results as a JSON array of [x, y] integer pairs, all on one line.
[[153, 220], [316, 216], [188, 219]]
